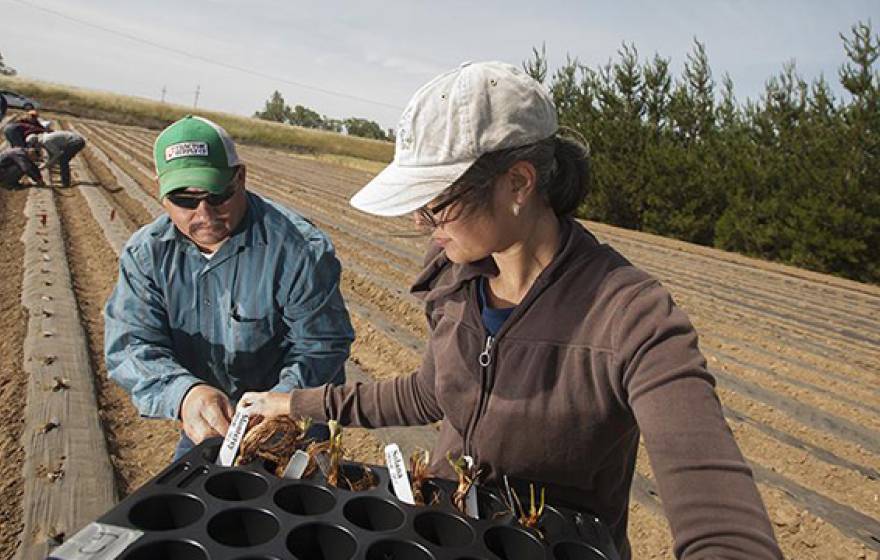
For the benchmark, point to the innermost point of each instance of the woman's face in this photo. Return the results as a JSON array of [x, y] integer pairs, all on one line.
[[476, 234]]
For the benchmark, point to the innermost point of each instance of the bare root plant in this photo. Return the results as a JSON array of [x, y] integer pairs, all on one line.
[[418, 466], [468, 473], [528, 519], [274, 440], [328, 456]]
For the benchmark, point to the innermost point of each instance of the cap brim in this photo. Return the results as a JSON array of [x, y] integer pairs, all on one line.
[[209, 179], [399, 190]]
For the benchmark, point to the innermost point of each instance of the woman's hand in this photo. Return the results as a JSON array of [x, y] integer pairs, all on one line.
[[265, 405]]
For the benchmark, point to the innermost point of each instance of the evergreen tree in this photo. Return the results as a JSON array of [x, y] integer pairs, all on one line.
[[792, 176]]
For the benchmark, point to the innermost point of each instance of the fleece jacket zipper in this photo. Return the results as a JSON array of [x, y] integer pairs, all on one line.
[[485, 361]]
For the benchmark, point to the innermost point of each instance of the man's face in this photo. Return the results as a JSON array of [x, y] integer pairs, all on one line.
[[207, 225]]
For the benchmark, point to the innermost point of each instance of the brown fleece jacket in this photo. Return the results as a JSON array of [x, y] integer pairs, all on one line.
[[596, 353]]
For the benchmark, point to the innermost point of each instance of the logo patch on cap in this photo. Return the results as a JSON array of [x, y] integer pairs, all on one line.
[[186, 149]]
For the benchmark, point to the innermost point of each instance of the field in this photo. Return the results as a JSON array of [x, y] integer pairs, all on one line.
[[796, 354]]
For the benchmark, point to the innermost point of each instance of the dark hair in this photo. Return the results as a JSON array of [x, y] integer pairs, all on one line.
[[563, 176]]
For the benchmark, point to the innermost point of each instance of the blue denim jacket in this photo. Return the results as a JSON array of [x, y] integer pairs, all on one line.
[[264, 313]]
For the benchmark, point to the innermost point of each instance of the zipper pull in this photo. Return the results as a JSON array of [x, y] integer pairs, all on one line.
[[485, 355]]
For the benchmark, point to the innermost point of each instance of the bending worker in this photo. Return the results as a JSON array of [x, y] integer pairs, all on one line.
[[229, 292], [15, 163], [548, 352], [61, 146]]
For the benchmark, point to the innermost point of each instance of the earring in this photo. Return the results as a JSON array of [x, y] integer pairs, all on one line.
[[516, 209]]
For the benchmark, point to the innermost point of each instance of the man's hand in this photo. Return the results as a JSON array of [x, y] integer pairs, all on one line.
[[205, 413]]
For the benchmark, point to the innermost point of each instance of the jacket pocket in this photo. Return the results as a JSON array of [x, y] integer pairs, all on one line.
[[251, 340]]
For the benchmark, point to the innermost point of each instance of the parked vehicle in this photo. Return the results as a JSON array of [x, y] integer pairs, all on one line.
[[18, 101]]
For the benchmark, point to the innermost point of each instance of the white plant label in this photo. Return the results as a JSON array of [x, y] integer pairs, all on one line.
[[233, 438], [397, 470], [96, 541], [297, 465], [471, 506]]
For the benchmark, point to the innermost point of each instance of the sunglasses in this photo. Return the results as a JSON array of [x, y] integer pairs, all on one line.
[[191, 201]]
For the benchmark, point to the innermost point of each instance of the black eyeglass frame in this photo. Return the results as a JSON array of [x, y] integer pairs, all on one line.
[[428, 214]]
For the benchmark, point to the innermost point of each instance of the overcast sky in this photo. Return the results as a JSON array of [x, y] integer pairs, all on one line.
[[347, 58]]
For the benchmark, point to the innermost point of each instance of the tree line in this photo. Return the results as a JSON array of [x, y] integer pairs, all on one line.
[[276, 109], [792, 176]]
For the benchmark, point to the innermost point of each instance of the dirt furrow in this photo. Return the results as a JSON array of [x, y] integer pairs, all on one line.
[[801, 295], [825, 286], [13, 383]]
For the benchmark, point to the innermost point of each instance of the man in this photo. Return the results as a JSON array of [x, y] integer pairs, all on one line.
[[16, 163], [227, 293], [61, 147], [16, 132]]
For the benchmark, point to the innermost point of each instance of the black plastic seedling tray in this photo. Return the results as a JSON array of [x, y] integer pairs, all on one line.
[[196, 510]]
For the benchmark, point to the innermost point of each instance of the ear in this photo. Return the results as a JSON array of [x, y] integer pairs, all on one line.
[[241, 175], [523, 180]]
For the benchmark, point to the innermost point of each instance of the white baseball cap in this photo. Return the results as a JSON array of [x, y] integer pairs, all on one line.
[[448, 124]]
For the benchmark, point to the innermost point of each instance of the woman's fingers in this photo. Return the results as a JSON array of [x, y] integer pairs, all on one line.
[[250, 401], [267, 405]]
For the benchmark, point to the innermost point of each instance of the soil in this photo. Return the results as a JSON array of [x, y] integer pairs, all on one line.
[[13, 326]]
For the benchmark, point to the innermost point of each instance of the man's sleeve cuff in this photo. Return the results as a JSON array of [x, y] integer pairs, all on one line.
[[177, 391]]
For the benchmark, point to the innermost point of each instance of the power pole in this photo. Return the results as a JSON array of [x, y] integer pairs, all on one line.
[[163, 94], [196, 102]]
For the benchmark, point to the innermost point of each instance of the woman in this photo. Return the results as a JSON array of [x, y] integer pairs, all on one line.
[[548, 353]]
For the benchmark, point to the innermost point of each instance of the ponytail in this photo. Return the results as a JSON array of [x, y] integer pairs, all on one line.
[[569, 181]]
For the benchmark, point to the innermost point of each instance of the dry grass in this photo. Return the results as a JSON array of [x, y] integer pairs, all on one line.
[[370, 166], [122, 109]]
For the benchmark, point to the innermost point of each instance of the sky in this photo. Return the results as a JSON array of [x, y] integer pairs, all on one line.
[[365, 59]]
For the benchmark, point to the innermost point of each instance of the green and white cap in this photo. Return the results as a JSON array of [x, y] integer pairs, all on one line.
[[194, 153]]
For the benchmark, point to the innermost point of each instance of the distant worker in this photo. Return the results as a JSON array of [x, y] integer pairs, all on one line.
[[229, 292], [15, 163], [16, 132], [61, 147]]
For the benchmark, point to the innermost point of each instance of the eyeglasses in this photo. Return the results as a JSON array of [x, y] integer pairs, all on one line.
[[191, 201], [429, 215]]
